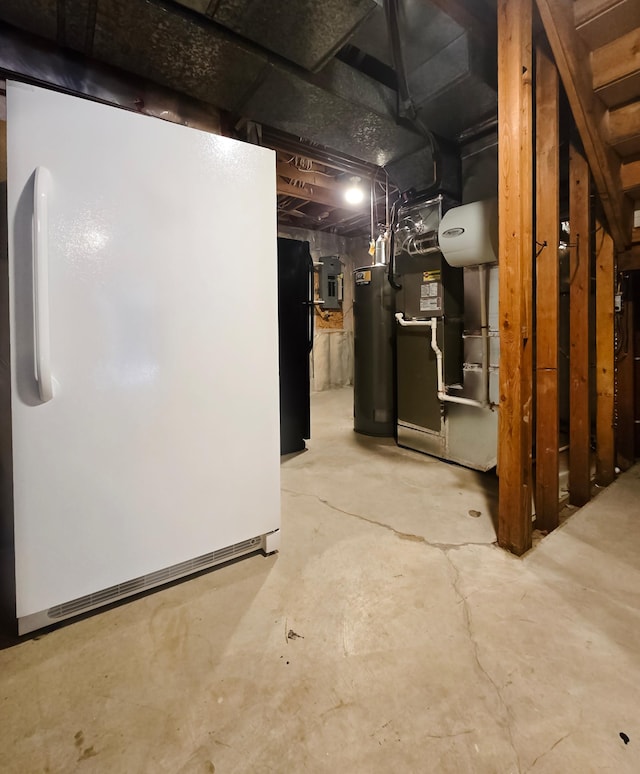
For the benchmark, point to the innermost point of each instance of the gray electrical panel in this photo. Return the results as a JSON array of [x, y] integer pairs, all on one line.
[[331, 279]]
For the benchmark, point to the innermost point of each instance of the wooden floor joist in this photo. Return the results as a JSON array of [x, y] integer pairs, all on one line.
[[515, 197], [579, 278], [630, 259], [623, 129], [605, 374], [574, 65], [601, 21], [547, 290], [616, 69], [630, 176]]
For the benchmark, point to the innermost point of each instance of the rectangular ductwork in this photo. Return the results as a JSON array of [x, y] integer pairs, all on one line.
[[274, 63], [305, 32], [338, 107]]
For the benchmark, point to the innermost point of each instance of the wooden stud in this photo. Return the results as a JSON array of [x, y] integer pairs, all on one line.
[[625, 381], [547, 290], [579, 277], [515, 195], [605, 374]]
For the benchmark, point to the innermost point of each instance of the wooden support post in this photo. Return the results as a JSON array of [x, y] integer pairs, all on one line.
[[605, 375], [547, 291], [625, 379], [515, 197], [579, 277]]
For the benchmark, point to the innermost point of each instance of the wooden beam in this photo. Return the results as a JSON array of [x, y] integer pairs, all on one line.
[[579, 274], [317, 195], [572, 60], [605, 367], [547, 291], [616, 69], [310, 176], [515, 195]]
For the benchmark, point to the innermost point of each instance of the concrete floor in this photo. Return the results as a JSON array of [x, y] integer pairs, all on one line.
[[390, 634]]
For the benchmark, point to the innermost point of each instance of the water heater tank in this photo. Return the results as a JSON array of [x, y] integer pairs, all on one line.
[[374, 330], [468, 235]]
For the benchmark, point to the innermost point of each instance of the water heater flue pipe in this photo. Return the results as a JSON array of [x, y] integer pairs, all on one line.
[[442, 395]]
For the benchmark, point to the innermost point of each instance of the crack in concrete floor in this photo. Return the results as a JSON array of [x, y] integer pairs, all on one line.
[[476, 653], [445, 548], [546, 752], [399, 534]]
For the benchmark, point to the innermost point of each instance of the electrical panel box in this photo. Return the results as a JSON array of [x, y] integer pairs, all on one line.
[[331, 281]]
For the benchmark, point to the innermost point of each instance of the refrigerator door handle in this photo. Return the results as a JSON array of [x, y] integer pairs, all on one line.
[[42, 348], [312, 309]]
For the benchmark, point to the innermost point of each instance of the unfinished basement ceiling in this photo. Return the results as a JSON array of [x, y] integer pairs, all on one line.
[[322, 72]]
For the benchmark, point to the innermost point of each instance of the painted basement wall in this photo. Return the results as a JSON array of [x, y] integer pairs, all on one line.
[[332, 354]]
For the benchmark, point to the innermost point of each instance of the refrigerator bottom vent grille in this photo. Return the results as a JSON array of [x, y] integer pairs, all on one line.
[[126, 589]]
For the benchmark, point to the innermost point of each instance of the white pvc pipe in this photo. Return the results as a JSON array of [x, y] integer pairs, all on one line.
[[442, 395], [434, 346], [412, 323]]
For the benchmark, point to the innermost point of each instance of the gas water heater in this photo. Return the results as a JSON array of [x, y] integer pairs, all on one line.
[[373, 349]]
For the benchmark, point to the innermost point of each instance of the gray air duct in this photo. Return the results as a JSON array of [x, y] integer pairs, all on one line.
[[274, 63]]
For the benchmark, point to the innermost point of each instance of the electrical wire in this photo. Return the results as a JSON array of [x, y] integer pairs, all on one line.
[[392, 252], [371, 200], [386, 200]]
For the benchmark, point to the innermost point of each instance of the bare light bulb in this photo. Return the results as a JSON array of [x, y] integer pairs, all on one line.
[[354, 194]]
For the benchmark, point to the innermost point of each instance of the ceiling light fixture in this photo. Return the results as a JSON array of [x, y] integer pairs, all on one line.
[[354, 193]]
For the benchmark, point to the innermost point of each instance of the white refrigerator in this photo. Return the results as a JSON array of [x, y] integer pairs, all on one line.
[[139, 353]]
